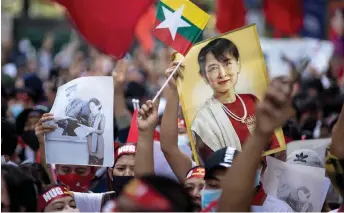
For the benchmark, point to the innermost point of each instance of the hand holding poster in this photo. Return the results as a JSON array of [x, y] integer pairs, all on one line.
[[223, 79], [83, 116]]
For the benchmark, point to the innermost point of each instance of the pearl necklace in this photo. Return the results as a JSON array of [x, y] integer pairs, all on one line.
[[234, 116]]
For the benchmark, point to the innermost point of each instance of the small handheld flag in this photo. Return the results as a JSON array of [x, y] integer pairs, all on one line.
[[179, 23], [133, 131]]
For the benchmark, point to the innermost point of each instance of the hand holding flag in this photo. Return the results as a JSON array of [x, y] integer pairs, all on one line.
[[179, 23]]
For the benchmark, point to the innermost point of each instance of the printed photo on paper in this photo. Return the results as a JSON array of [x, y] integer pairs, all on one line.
[[83, 117], [286, 181]]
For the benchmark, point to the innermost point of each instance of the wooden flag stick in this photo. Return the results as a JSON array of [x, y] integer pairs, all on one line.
[[168, 79]]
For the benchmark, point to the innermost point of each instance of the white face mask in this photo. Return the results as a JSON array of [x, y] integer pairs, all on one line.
[[183, 139], [3, 160]]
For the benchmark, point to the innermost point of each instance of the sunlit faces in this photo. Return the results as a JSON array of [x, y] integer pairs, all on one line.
[[63, 204], [69, 169], [221, 75], [194, 187], [124, 166], [215, 181]]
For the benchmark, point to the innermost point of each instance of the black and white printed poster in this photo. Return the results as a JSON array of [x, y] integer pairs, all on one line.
[[286, 181], [83, 115]]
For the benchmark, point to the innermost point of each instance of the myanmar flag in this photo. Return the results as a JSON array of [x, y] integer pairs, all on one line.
[[179, 23]]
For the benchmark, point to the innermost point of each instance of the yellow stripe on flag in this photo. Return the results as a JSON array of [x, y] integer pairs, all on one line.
[[191, 12]]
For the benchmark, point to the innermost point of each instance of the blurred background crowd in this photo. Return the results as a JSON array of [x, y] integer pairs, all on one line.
[[40, 52]]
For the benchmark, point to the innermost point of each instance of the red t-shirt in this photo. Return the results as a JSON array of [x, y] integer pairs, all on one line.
[[238, 109], [241, 128]]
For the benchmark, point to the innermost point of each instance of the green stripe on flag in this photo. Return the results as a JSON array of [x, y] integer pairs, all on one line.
[[189, 33]]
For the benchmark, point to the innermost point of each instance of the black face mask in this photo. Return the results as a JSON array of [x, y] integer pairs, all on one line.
[[31, 140], [119, 182]]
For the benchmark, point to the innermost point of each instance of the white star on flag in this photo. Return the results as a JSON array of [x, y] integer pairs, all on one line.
[[173, 20]]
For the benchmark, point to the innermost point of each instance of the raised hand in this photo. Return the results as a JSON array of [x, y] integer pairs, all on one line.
[[148, 116], [119, 73], [41, 128], [275, 108], [168, 72]]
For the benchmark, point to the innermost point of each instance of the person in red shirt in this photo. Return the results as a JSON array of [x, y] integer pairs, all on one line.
[[226, 119]]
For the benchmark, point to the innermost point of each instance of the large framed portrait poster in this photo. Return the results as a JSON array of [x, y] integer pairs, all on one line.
[[223, 78]]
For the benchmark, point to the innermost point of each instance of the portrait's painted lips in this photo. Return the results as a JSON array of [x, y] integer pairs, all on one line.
[[223, 82]]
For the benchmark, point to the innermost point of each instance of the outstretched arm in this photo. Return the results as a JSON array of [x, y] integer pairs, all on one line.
[[40, 130], [122, 114], [179, 161], [147, 122]]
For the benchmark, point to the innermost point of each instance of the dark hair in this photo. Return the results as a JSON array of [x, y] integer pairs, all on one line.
[[218, 47], [21, 189], [95, 101], [173, 191], [9, 138], [37, 172], [304, 189]]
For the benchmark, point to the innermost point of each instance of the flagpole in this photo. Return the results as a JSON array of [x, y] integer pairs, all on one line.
[[169, 78]]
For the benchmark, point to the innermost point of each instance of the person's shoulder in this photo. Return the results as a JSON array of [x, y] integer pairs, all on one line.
[[273, 204]]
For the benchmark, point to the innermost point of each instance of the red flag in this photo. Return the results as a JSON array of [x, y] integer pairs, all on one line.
[[144, 30], [286, 17], [133, 134], [109, 25], [231, 14]]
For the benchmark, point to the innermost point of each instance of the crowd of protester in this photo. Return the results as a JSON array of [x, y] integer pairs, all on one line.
[[158, 173]]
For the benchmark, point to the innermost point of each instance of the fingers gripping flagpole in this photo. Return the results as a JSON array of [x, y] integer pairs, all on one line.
[[168, 79]]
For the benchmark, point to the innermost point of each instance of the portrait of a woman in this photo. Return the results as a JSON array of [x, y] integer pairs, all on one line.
[[227, 118], [95, 140]]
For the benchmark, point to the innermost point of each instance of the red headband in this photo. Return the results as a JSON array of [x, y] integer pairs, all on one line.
[[126, 149], [146, 197], [51, 195], [196, 172]]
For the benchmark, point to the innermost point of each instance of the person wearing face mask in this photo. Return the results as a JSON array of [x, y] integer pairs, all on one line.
[[216, 166], [77, 178], [24, 99], [194, 184], [25, 125], [56, 198], [123, 169]]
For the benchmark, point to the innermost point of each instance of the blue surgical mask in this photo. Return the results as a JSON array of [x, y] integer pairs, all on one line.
[[257, 179], [16, 109], [183, 139], [208, 196]]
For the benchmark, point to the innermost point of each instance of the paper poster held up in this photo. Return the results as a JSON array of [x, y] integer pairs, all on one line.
[[84, 134], [224, 78]]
